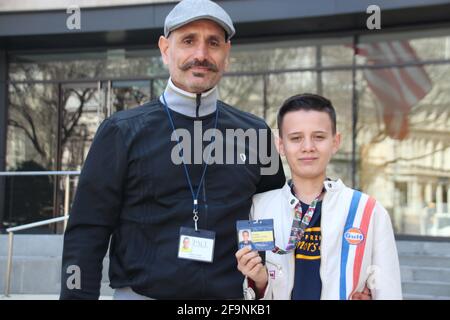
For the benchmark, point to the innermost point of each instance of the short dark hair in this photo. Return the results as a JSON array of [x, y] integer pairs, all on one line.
[[307, 102]]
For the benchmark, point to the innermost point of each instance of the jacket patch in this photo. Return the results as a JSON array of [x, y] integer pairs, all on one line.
[[272, 274], [354, 236]]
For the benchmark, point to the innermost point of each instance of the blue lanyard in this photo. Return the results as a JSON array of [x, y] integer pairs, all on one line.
[[186, 172]]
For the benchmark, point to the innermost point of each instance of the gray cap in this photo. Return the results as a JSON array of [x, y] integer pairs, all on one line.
[[191, 10]]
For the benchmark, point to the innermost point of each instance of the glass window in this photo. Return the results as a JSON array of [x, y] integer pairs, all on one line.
[[404, 145], [129, 94], [31, 146], [271, 56], [82, 113], [244, 93], [284, 85], [114, 63], [32, 125], [335, 52], [397, 48], [337, 87]]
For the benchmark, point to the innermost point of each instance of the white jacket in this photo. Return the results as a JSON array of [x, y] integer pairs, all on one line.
[[349, 260]]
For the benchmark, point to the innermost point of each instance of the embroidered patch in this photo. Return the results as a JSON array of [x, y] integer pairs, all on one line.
[[272, 274], [354, 236]]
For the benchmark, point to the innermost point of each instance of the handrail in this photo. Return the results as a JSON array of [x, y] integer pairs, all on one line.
[[11, 241], [39, 223], [10, 245], [36, 224]]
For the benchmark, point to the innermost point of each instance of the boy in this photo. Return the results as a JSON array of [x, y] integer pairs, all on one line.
[[331, 241]]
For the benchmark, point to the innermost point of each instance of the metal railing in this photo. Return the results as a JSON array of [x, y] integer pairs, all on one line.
[[64, 218]]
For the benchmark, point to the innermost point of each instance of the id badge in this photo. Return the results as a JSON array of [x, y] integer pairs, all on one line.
[[196, 245], [256, 234]]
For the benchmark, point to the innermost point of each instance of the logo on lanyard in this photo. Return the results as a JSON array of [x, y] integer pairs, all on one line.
[[354, 236]]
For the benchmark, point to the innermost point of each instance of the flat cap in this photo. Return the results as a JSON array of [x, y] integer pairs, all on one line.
[[187, 11]]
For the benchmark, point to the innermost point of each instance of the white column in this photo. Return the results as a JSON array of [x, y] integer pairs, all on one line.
[[429, 152], [417, 201], [447, 159], [428, 193], [419, 207], [438, 156], [439, 198], [409, 194], [448, 199]]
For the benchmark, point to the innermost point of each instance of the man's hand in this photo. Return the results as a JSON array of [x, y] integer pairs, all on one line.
[[365, 295], [250, 265]]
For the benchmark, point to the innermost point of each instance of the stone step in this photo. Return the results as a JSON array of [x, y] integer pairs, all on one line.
[[425, 261], [409, 273], [31, 275], [33, 245], [423, 297], [423, 248], [427, 288]]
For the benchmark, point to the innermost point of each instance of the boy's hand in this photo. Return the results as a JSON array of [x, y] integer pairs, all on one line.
[[365, 295], [250, 265]]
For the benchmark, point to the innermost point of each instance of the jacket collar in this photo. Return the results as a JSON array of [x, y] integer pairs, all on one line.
[[190, 104], [331, 186]]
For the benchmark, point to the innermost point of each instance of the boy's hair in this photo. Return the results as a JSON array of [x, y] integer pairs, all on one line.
[[307, 102]]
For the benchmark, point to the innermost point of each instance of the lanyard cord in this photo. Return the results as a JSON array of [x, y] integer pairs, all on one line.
[[299, 225], [186, 172]]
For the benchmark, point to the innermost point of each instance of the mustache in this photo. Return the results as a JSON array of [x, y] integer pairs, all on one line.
[[196, 63]]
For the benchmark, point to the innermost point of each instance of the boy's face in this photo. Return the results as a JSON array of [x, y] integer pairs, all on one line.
[[308, 143]]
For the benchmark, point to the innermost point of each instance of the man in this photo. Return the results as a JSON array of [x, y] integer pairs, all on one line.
[[140, 190], [186, 245], [246, 242], [332, 242]]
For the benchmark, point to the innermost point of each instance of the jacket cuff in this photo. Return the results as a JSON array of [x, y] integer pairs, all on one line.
[[250, 290]]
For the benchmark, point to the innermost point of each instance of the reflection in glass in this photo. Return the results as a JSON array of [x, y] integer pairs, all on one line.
[[32, 125], [32, 145], [408, 172], [336, 86], [244, 93], [284, 85], [129, 94], [87, 65], [82, 113], [266, 56]]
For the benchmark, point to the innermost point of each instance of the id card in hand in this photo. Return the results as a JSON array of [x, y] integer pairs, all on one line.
[[255, 234], [196, 245]]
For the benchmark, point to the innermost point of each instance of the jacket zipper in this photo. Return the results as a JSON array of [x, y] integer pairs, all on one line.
[[322, 257]]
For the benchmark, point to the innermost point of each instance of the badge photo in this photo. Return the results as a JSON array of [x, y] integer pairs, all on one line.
[[196, 245]]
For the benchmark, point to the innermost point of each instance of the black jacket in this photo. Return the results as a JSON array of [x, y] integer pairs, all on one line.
[[130, 192]]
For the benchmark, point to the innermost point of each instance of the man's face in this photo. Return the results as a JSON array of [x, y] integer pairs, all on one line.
[[196, 54], [308, 143], [186, 243], [245, 236]]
